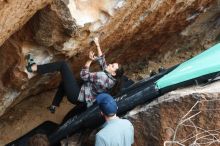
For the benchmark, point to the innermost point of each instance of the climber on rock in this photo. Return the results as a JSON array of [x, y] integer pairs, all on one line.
[[94, 82]]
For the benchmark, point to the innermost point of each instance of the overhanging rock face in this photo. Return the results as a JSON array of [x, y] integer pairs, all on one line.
[[63, 29], [15, 13], [54, 31]]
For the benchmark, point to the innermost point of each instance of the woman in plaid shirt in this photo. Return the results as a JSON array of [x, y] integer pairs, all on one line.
[[94, 82]]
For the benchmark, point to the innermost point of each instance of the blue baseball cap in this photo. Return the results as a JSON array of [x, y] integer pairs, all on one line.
[[107, 104]]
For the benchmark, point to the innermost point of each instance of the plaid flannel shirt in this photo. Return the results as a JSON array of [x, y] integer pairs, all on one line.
[[95, 82]]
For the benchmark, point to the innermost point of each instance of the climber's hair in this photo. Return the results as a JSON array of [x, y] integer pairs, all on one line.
[[119, 80], [38, 140]]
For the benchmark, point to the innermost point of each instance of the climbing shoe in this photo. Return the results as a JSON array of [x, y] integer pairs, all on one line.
[[52, 109], [30, 62]]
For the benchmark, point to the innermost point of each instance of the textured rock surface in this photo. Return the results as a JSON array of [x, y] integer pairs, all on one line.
[[15, 13], [28, 114], [64, 29], [186, 116], [150, 26], [183, 116]]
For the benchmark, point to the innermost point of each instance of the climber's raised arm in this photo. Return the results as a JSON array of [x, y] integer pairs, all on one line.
[[96, 40]]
